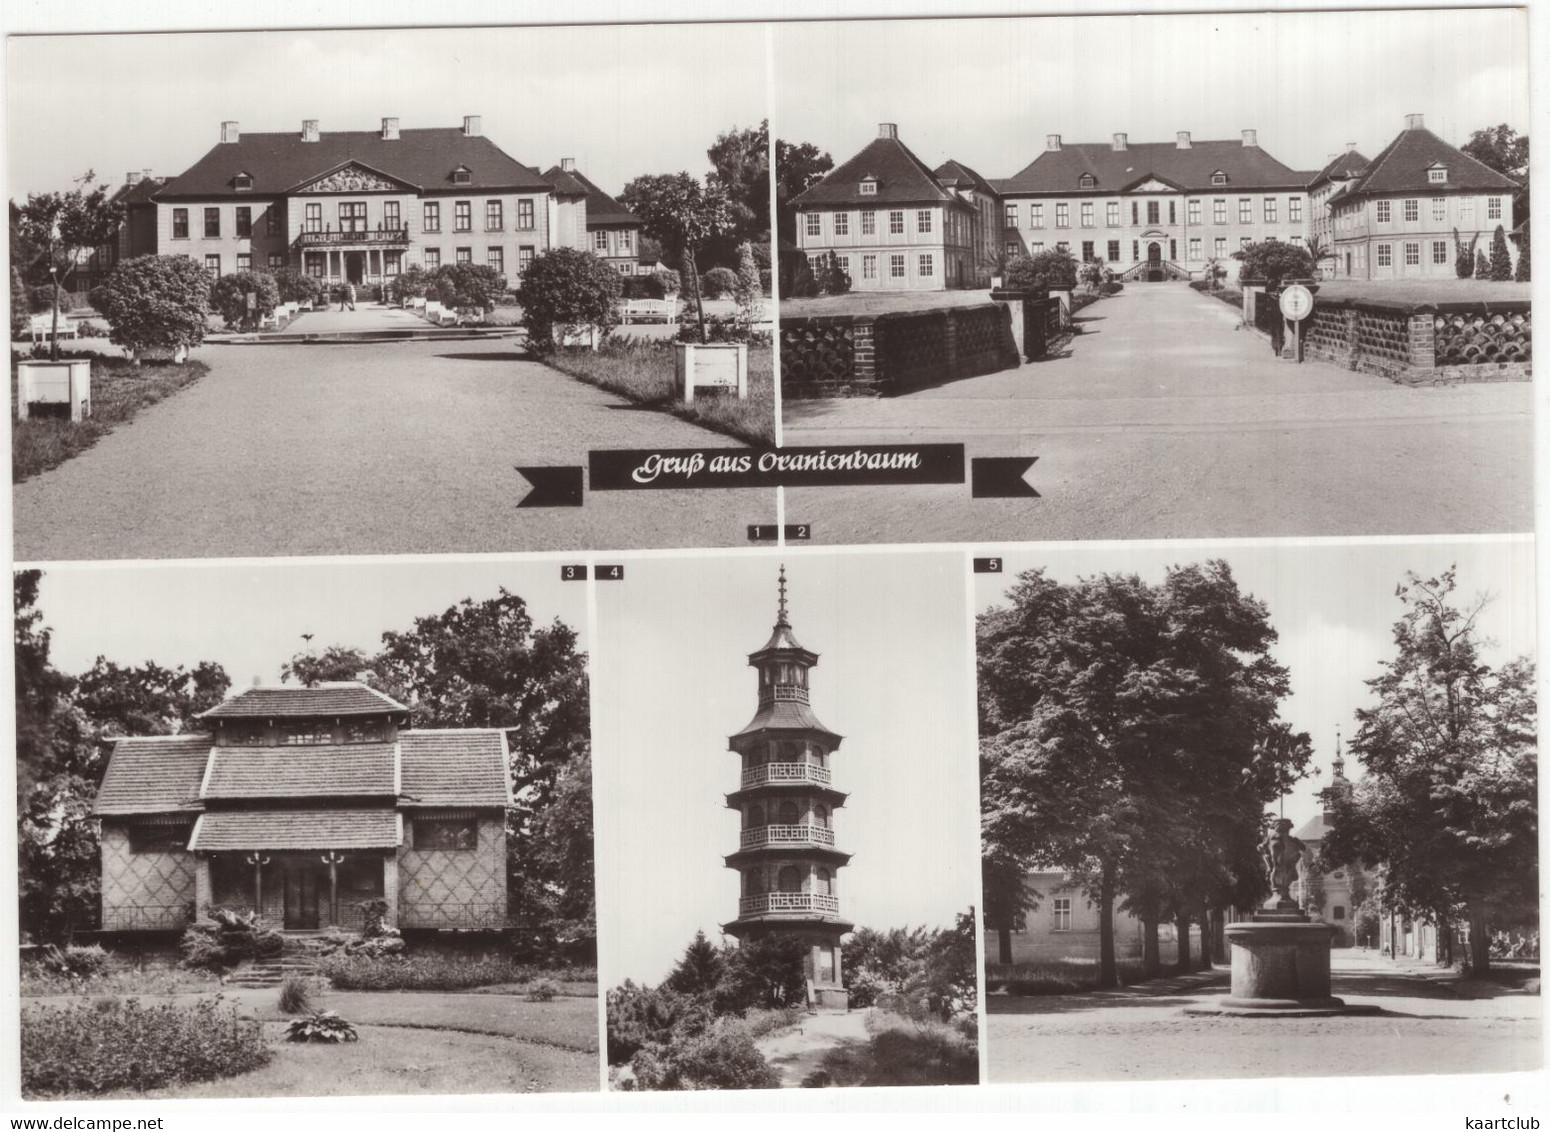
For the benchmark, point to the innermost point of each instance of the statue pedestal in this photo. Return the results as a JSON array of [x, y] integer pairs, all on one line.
[[1280, 967]]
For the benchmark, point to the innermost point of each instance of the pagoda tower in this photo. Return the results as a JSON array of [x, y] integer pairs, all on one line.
[[786, 856]]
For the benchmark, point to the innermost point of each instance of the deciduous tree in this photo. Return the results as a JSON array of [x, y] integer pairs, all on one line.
[[798, 167], [65, 226], [676, 209]]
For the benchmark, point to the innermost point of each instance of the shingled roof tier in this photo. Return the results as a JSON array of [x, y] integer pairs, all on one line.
[[784, 715], [423, 159], [154, 775], [296, 829], [1402, 167], [902, 178], [1114, 170], [320, 701], [302, 771], [454, 768]]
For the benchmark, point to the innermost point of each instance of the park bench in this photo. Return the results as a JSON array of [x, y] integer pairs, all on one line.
[[270, 321], [415, 304], [640, 310], [42, 326]]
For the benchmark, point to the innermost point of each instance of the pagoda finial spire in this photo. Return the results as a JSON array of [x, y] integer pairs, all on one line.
[[1339, 761], [780, 618]]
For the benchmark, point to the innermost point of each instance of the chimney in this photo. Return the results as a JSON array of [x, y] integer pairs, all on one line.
[[1119, 142], [1184, 142], [888, 130], [229, 132], [567, 165], [309, 129], [1052, 142], [1415, 121], [134, 177], [1350, 147], [390, 129], [1251, 137], [473, 127]]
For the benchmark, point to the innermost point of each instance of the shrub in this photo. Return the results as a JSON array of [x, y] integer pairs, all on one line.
[[21, 303], [566, 290], [1482, 265], [1501, 258], [39, 300], [542, 990], [1522, 274], [831, 276], [296, 995], [224, 937], [322, 1026], [719, 282], [229, 298], [750, 290], [639, 1017], [296, 287], [1464, 254], [157, 301], [802, 282], [76, 961], [96, 297], [1274, 259], [470, 288], [1038, 273], [104, 1044], [713, 1060], [421, 972]]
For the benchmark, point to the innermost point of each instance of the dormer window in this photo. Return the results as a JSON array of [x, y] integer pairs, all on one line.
[[1218, 178], [869, 187], [461, 175], [1085, 181], [243, 182], [1437, 175]]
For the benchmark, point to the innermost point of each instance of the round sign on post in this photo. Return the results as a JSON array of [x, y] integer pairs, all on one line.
[[1296, 302]]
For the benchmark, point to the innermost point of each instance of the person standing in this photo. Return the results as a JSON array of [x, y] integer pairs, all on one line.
[[349, 294]]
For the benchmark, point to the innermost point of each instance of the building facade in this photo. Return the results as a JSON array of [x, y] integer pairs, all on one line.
[[1065, 925], [1153, 209], [1400, 217], [362, 206], [306, 804], [612, 231], [893, 223], [786, 856], [1334, 897], [1341, 170]]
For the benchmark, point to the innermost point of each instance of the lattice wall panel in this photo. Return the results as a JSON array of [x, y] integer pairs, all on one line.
[[444, 888], [143, 890]]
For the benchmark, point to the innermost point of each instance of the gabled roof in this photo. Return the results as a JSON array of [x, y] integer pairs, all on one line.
[[424, 158], [602, 208], [1060, 170], [328, 699], [902, 178], [957, 171], [297, 829], [302, 771], [1401, 167], [155, 775], [1314, 829], [1341, 167], [454, 768], [140, 192], [565, 184]]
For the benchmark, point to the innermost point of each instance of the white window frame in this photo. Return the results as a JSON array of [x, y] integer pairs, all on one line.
[[925, 266], [814, 225], [923, 222], [1010, 218], [1385, 257], [868, 188], [842, 223], [869, 222], [1439, 208], [1439, 251], [896, 266], [896, 222], [869, 267], [1061, 909], [1493, 208], [1412, 253], [1087, 214], [1384, 213], [1111, 214], [1036, 215], [1412, 212]]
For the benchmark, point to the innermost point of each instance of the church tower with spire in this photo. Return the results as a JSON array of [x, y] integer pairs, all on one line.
[[786, 856]]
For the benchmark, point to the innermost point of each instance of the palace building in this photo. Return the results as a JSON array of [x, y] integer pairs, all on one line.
[[1397, 218], [786, 799], [895, 224], [306, 803], [612, 231], [362, 206]]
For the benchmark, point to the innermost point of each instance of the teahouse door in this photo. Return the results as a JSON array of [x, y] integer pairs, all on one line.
[[302, 900]]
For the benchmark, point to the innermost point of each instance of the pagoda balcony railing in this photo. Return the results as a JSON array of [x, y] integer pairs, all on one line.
[[778, 773], [341, 238], [805, 834], [788, 902]]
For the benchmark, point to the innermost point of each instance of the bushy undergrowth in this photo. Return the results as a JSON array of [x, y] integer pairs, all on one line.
[[902, 1051], [119, 391], [719, 1058], [1055, 976], [223, 937], [296, 995], [422, 972], [102, 1044], [542, 990]]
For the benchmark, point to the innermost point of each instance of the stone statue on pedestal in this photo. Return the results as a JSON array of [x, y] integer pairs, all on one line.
[[1281, 853]]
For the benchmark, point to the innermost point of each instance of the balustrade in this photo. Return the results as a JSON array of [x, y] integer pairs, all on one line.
[[806, 833], [770, 773]]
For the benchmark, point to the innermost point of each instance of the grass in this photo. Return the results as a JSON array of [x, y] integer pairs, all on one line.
[[119, 391], [642, 371], [415, 1043]]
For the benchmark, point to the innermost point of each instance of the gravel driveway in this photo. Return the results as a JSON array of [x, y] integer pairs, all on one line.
[[383, 448]]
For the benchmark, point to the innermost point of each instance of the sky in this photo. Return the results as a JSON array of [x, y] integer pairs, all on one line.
[[1333, 607], [621, 100], [671, 682], [250, 618], [986, 92]]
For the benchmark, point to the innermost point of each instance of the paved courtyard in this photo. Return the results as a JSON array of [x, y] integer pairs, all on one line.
[[1167, 421], [386, 448], [1429, 1022]]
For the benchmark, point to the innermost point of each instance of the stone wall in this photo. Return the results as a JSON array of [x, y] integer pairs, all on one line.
[[1423, 344], [454, 888], [850, 355]]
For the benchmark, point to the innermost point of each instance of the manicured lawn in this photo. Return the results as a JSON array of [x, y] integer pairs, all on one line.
[[119, 391], [420, 1043], [642, 371]]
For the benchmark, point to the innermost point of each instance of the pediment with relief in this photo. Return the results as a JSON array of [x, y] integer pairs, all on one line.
[[352, 178], [1153, 185]]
